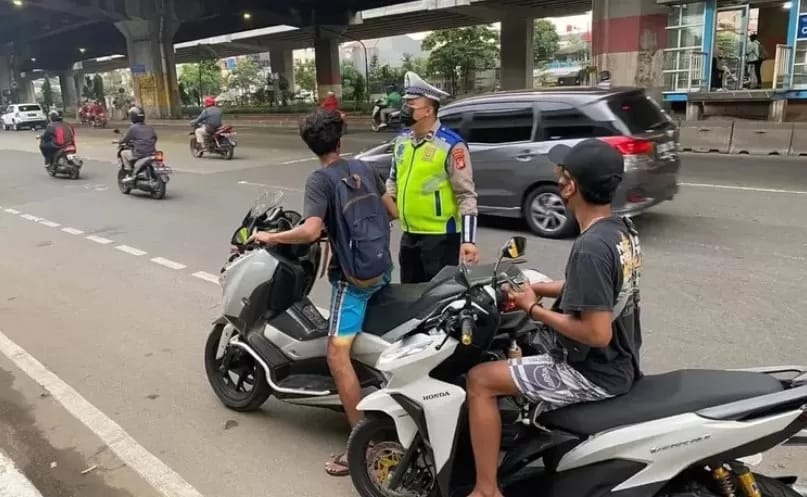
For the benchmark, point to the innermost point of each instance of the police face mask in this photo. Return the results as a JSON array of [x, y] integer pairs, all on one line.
[[407, 115]]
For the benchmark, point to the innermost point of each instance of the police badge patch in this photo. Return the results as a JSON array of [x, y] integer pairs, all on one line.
[[400, 150], [428, 153]]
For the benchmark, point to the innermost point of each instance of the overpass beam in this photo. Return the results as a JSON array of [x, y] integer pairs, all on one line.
[[516, 53], [326, 61], [150, 48], [628, 40]]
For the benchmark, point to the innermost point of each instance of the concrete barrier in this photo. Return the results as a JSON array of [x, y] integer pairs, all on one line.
[[761, 138], [706, 136], [798, 145]]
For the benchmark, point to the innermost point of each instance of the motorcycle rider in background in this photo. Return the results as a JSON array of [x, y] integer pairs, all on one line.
[[56, 137], [393, 103], [142, 140], [208, 121]]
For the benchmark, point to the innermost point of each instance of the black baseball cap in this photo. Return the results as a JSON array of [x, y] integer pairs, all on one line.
[[595, 165]]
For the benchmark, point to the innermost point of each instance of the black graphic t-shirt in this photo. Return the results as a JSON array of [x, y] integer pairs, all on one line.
[[601, 275]]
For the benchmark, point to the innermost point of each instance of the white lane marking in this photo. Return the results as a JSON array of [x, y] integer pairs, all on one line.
[[31, 217], [168, 263], [164, 480], [274, 187], [13, 211], [49, 224], [308, 159], [202, 275], [72, 231], [15, 484], [744, 188], [99, 239], [131, 250]]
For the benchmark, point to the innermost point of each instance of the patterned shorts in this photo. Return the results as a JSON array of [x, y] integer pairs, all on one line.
[[547, 379]]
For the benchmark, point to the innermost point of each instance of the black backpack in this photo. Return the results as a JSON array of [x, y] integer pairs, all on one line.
[[363, 232]]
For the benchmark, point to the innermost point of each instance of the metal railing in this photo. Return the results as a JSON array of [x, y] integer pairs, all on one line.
[[696, 78], [782, 67]]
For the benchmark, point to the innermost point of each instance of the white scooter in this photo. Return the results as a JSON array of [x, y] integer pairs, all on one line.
[[684, 433]]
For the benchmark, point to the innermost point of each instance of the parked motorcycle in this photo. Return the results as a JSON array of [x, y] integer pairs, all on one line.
[[272, 340], [99, 120], [221, 142], [376, 121], [677, 434], [152, 177], [66, 162]]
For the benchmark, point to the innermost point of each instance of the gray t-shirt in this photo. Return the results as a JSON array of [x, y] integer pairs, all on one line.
[[600, 273], [319, 202]]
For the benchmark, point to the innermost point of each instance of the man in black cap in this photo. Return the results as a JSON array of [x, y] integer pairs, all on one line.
[[592, 335]]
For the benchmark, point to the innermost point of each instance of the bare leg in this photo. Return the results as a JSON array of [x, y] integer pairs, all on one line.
[[485, 383], [347, 383]]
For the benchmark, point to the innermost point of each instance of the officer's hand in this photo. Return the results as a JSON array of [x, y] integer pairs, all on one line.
[[469, 253]]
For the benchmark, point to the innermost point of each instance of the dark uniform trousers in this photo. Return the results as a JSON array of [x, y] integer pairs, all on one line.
[[421, 257]]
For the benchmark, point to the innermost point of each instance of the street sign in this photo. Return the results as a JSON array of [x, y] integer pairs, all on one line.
[[802, 31], [138, 69]]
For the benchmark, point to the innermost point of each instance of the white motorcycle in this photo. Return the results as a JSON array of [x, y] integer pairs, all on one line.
[[272, 340], [685, 433]]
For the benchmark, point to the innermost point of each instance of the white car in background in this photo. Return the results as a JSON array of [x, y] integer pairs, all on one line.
[[18, 116]]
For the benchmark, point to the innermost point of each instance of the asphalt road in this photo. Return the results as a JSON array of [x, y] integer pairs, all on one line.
[[723, 286]]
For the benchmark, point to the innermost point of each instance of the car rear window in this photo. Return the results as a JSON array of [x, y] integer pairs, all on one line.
[[638, 113], [29, 108]]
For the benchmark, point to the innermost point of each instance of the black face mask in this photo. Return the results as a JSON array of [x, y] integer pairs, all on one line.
[[407, 115]]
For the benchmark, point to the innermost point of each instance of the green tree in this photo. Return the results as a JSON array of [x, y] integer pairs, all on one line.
[[353, 84], [245, 76], [305, 75], [98, 89], [417, 65], [458, 53], [211, 80], [47, 94], [545, 41]]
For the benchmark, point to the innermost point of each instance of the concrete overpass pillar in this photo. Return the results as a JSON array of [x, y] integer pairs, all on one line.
[[326, 60], [516, 53], [67, 82], [282, 62], [628, 39], [6, 76], [150, 48]]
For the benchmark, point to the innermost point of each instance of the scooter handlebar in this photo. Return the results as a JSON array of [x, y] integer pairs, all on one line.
[[467, 327]]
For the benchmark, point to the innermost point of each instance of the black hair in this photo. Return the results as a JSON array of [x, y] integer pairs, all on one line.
[[601, 193], [322, 131], [435, 104]]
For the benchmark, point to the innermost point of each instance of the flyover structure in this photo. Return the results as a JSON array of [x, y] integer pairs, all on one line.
[[154, 35]]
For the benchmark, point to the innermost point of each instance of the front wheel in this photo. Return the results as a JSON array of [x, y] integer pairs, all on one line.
[[124, 188], [229, 152], [374, 453], [236, 378]]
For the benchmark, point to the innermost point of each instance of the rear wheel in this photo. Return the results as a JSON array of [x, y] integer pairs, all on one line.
[[159, 193], [546, 215], [373, 454], [236, 378], [771, 487]]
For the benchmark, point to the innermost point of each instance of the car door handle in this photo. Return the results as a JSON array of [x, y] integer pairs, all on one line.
[[525, 157]]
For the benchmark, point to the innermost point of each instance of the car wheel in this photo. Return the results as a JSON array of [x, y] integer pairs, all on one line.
[[546, 215]]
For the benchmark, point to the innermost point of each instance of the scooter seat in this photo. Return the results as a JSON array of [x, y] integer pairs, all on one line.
[[660, 396], [394, 305]]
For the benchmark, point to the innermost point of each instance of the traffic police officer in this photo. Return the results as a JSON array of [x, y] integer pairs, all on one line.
[[432, 183]]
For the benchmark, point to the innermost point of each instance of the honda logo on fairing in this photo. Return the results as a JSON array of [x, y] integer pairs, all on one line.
[[436, 395], [677, 445]]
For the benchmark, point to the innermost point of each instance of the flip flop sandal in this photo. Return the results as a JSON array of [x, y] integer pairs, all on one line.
[[337, 466]]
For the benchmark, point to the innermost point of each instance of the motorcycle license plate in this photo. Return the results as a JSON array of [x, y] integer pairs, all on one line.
[[163, 170]]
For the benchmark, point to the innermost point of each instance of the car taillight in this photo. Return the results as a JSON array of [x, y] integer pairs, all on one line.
[[158, 156], [626, 145]]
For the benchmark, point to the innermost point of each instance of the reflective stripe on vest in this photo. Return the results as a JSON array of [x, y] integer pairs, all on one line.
[[425, 198]]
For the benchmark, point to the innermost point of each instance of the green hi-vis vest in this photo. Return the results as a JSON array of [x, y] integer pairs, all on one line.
[[425, 198]]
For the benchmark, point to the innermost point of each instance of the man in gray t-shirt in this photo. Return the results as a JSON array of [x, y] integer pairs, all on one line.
[[322, 132]]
